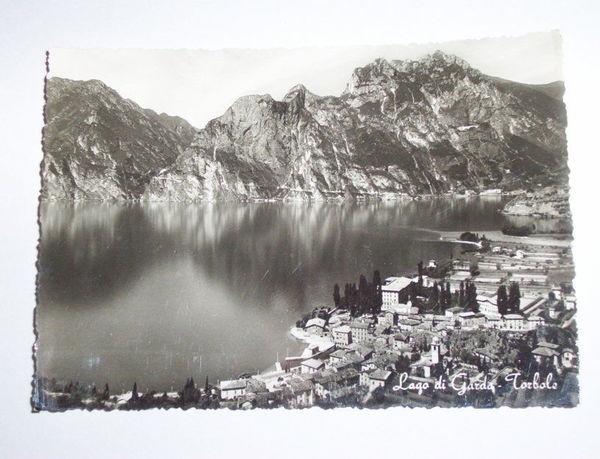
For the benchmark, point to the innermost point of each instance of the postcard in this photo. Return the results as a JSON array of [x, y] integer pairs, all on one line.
[[369, 226]]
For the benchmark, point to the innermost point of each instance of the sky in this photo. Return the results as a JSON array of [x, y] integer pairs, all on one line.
[[200, 85]]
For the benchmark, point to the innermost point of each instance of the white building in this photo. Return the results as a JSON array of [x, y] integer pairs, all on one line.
[[488, 306], [360, 331], [390, 291], [233, 388], [315, 326], [514, 322], [379, 378], [342, 336]]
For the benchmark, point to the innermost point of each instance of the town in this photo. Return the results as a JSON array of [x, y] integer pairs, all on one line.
[[501, 311]]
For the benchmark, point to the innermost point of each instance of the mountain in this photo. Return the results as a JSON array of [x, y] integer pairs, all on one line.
[[99, 145], [429, 126]]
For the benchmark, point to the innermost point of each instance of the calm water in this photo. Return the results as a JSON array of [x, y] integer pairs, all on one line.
[[157, 293]]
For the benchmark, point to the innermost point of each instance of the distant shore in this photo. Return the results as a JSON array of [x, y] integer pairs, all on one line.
[[550, 240]]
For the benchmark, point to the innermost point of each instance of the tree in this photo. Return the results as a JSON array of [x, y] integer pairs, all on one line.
[[377, 294], [336, 295], [446, 297], [105, 392], [471, 297], [468, 236], [434, 296], [363, 286], [514, 297], [461, 294], [134, 394], [502, 300]]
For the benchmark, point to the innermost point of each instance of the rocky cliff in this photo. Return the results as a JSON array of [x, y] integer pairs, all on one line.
[[101, 146], [434, 125]]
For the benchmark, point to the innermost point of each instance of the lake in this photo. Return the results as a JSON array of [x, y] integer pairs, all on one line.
[[157, 293]]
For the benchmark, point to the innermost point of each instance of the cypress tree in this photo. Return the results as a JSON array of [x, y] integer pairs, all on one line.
[[105, 392], [514, 297], [377, 296], [502, 300], [134, 393], [336, 295]]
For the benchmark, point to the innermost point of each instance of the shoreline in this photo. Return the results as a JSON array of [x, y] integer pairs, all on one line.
[[547, 239]]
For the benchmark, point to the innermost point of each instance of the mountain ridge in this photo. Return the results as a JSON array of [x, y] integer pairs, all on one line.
[[429, 126]]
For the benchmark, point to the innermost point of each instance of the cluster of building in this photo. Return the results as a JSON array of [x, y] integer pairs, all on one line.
[[349, 358]]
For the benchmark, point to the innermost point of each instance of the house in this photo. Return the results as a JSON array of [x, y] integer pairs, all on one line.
[[546, 353], [494, 322], [315, 326], [388, 318], [364, 376], [302, 392], [402, 308], [232, 389], [338, 356], [488, 305], [385, 361], [408, 324], [379, 378], [568, 358], [535, 321], [362, 351], [293, 364], [401, 342], [360, 331], [342, 336], [514, 322], [330, 385], [453, 313], [479, 319], [312, 366], [570, 302], [466, 319]]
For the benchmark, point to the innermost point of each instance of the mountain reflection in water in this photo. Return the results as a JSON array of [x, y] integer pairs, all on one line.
[[156, 293]]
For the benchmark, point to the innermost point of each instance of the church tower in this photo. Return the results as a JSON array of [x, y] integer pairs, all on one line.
[[435, 351]]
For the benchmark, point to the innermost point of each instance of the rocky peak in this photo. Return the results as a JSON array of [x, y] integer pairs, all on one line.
[[378, 72], [297, 95]]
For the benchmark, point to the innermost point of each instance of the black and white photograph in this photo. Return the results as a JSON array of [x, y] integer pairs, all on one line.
[[299, 229], [367, 226]]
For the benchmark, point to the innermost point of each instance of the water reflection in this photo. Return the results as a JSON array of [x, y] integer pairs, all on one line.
[[160, 292]]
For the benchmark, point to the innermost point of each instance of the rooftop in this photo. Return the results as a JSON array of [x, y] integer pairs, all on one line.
[[315, 322], [380, 375], [396, 284], [342, 329], [233, 384], [313, 363]]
